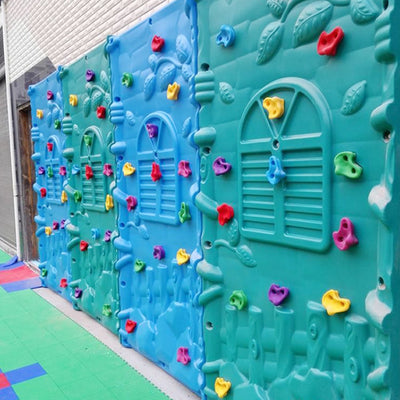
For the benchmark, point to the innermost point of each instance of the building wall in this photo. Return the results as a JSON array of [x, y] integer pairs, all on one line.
[[64, 30]]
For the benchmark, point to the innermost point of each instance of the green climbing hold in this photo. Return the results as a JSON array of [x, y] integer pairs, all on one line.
[[43, 272], [50, 172], [127, 79], [238, 299], [345, 164], [77, 196], [106, 310], [87, 139], [184, 213], [57, 124], [139, 265]]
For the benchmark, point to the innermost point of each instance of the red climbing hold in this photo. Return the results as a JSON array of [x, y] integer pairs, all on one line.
[[43, 192], [101, 112], [130, 325], [49, 146], [89, 172], [328, 42], [157, 43], [225, 213], [84, 245], [155, 172], [63, 283]]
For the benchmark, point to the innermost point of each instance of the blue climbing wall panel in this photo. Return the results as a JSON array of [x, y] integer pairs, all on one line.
[[155, 116], [47, 113], [91, 166], [297, 120]]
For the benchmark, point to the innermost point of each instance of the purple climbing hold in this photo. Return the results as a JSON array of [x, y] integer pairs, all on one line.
[[220, 166], [158, 252], [77, 293], [152, 130], [277, 294], [41, 171], [90, 75], [107, 236], [62, 224]]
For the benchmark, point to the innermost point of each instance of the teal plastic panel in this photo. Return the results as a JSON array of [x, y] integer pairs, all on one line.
[[48, 140], [298, 184], [91, 179], [160, 314]]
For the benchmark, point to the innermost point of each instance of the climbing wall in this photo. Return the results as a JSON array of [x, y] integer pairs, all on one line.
[[155, 116], [297, 177], [50, 167], [90, 170]]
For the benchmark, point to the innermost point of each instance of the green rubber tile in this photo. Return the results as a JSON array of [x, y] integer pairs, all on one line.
[[136, 390], [16, 355], [43, 388], [83, 388], [4, 257]]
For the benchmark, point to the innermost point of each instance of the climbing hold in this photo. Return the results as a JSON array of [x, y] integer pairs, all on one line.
[[63, 283], [155, 172], [345, 164], [62, 224], [158, 252], [333, 303], [47, 230], [49, 146], [152, 130], [107, 312], [222, 387], [225, 213], [43, 192], [90, 75], [87, 139], [107, 235], [50, 95], [107, 170], [57, 124], [95, 232], [139, 265], [277, 294], [39, 114], [226, 36], [275, 172], [220, 166], [130, 325], [101, 112], [184, 168], [345, 237], [157, 43], [63, 171], [275, 107], [83, 245], [43, 272], [78, 293], [88, 172], [73, 100], [64, 197], [76, 169], [238, 299], [41, 171], [329, 42], [184, 213], [50, 172], [77, 196], [127, 79], [131, 203], [173, 91], [55, 225], [182, 257], [109, 202], [128, 169], [182, 355]]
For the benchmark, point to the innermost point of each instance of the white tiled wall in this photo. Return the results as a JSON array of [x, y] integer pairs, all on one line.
[[64, 30]]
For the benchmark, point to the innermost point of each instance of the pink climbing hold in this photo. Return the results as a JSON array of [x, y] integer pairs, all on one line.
[[131, 203], [50, 95], [225, 213], [184, 169], [107, 170], [345, 237], [55, 225], [183, 355], [63, 171]]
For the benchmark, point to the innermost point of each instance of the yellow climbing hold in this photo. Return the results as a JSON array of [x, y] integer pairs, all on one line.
[[333, 303], [64, 197], [275, 107], [73, 100], [182, 257], [39, 114], [222, 387], [109, 202], [173, 91], [128, 169], [48, 230]]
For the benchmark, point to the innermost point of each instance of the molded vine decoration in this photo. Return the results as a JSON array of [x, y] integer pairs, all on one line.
[[97, 94], [54, 110], [309, 24], [137, 224], [242, 252], [164, 68]]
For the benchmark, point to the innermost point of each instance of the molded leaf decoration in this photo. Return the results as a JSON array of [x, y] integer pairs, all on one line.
[[269, 42], [167, 76], [233, 233], [86, 106], [246, 256], [143, 232], [187, 127], [354, 98], [49, 119], [97, 98], [277, 7], [105, 82], [363, 11], [311, 22], [136, 218], [183, 49], [56, 113], [107, 98], [226, 92], [130, 118], [152, 61], [187, 72], [149, 86]]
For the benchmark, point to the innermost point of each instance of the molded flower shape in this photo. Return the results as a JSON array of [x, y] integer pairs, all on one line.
[[128, 169], [50, 95], [101, 112], [88, 172], [275, 107], [329, 42], [49, 146], [173, 91], [220, 166], [107, 170], [64, 197], [222, 387], [83, 246], [333, 303], [238, 299], [39, 114], [152, 130], [131, 203], [225, 213], [48, 230], [184, 213], [109, 202], [43, 192], [90, 75], [63, 283], [41, 170], [107, 311], [63, 171], [57, 124], [157, 43], [55, 225], [130, 326], [182, 355], [182, 257], [277, 294], [140, 265], [77, 293], [127, 79], [158, 252], [107, 235], [73, 100], [155, 172], [184, 168], [345, 237], [226, 36]]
